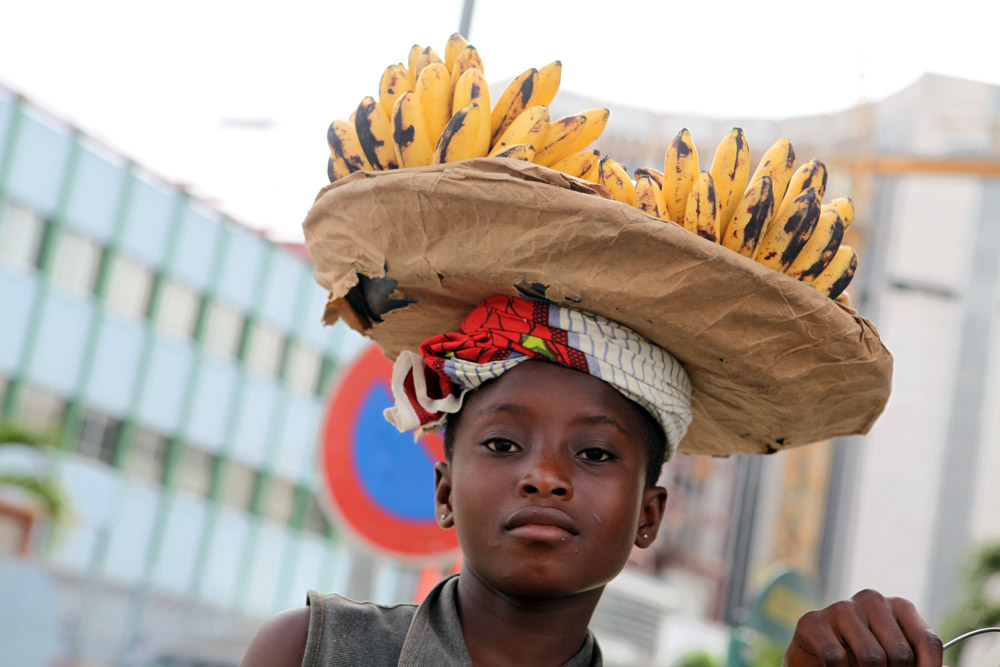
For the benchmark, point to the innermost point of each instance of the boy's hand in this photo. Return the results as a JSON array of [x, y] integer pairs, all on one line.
[[868, 629]]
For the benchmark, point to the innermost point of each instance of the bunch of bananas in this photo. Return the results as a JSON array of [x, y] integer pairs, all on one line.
[[774, 216], [432, 111]]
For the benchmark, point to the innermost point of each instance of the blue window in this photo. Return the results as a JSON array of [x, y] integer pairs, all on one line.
[[94, 195], [41, 152], [62, 339], [148, 217]]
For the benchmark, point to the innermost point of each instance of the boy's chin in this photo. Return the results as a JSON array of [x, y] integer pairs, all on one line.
[[533, 581]]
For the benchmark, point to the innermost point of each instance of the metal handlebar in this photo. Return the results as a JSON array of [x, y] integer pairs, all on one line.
[[962, 638]]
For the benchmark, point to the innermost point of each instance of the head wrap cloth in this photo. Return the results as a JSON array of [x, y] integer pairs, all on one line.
[[504, 331]]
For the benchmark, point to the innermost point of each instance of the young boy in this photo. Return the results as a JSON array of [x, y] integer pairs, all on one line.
[[555, 438]]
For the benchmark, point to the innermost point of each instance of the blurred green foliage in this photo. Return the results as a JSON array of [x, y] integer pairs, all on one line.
[[974, 610]]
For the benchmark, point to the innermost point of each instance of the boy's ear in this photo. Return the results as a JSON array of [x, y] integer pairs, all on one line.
[[442, 494], [654, 500]]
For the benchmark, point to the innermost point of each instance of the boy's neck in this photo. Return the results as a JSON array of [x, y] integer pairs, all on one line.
[[501, 629]]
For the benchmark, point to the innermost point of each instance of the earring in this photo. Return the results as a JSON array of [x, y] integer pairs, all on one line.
[[444, 516], [645, 536]]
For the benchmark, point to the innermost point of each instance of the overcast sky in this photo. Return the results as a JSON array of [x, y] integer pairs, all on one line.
[[234, 98]]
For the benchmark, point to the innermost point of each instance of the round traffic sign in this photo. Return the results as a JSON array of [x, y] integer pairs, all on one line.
[[378, 482]]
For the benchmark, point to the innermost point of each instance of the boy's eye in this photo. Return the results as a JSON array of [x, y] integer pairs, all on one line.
[[595, 454], [501, 445]]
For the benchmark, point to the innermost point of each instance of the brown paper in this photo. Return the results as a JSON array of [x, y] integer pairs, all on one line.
[[773, 362]]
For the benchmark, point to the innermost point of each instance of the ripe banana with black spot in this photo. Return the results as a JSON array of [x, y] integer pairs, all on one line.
[[657, 177], [788, 233], [648, 197], [410, 138], [472, 87], [411, 60], [680, 169], [844, 207], [730, 173], [528, 128], [812, 174], [468, 58], [838, 274], [560, 137], [433, 91], [548, 83], [346, 154], [395, 81], [595, 122], [425, 58], [517, 152], [515, 98], [701, 215], [375, 134], [750, 219], [777, 162], [461, 139], [615, 180], [579, 164], [456, 42], [819, 250]]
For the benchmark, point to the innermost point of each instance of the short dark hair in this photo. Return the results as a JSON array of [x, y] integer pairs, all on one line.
[[656, 441]]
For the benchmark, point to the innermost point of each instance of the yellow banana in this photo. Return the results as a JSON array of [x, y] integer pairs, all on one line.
[[812, 174], [346, 154], [375, 134], [750, 220], [597, 120], [615, 180], [517, 152], [395, 81], [452, 48], [548, 83], [788, 233], [433, 91], [680, 169], [578, 164], [515, 98], [844, 207], [844, 299], [838, 274], [777, 162], [424, 58], [701, 215], [647, 196], [410, 138], [411, 61], [472, 87], [657, 177], [559, 138], [468, 58], [819, 250], [528, 128], [730, 173], [461, 139]]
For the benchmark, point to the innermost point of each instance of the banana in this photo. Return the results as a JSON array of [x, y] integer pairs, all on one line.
[[461, 140], [647, 197], [730, 173], [594, 173], [472, 87], [433, 91], [788, 233], [701, 215], [517, 152], [657, 177], [345, 150], [548, 83], [680, 169], [528, 128], [597, 120], [750, 219], [777, 162], [468, 58], [810, 175], [395, 81], [844, 207], [411, 60], [452, 48], [515, 98], [844, 299], [578, 164], [560, 137], [615, 180], [424, 58], [838, 274], [375, 134], [410, 138], [819, 250]]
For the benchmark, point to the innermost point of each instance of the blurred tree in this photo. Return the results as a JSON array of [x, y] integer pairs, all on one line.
[[980, 601], [41, 488], [698, 659]]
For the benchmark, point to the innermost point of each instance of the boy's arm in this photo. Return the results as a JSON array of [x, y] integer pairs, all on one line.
[[868, 629], [281, 641]]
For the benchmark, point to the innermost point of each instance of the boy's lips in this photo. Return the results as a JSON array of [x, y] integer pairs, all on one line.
[[541, 516]]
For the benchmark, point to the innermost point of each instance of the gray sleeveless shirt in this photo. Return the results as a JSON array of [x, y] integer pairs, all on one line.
[[364, 634]]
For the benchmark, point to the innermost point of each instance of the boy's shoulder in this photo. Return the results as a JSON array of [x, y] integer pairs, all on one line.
[[332, 630]]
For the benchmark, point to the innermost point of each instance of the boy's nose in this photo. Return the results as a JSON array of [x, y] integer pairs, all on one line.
[[544, 480]]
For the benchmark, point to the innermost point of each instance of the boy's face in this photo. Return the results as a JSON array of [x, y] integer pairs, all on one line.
[[546, 483]]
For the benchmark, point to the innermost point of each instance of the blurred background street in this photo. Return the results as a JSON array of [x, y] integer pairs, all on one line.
[[164, 375]]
